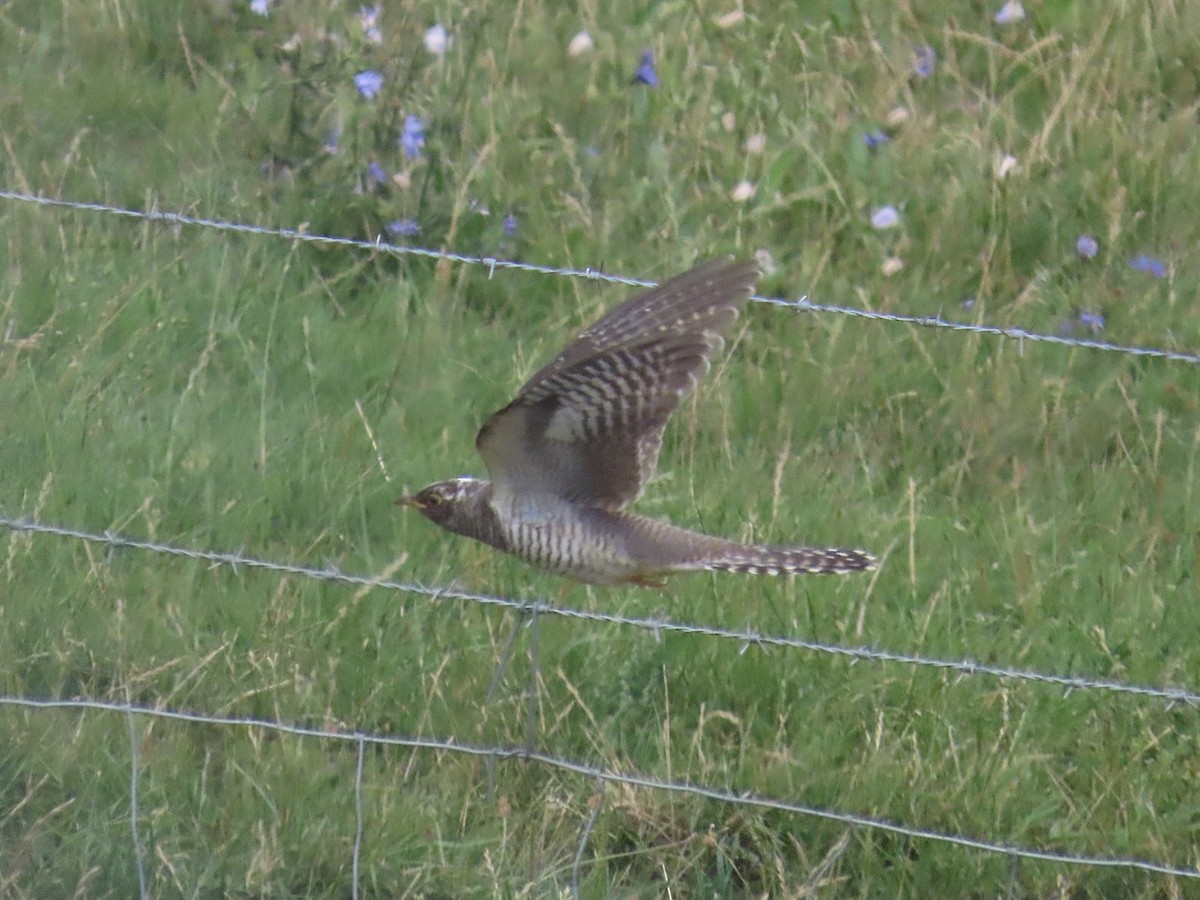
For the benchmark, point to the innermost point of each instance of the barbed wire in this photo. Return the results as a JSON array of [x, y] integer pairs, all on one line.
[[658, 626], [493, 263], [588, 770]]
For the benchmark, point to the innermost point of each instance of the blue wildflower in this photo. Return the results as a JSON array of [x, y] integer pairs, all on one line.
[[924, 61], [1086, 246], [376, 173], [260, 7], [1149, 265], [885, 217], [510, 225], [412, 136], [1010, 12], [368, 83], [404, 228], [646, 73], [875, 139], [1093, 322]]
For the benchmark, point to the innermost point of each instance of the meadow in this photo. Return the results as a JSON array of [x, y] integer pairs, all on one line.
[[1035, 504]]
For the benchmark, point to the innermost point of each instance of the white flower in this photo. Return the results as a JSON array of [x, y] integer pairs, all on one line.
[[766, 262], [368, 20], [891, 266], [742, 191], [437, 40], [756, 143], [1006, 166], [580, 44]]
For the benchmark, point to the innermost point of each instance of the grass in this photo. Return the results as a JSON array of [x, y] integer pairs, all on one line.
[[1036, 505]]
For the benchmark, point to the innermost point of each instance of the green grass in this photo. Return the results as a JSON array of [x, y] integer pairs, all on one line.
[[1038, 506]]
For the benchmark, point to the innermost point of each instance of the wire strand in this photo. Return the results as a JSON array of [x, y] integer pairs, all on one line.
[[747, 638], [722, 795], [493, 263]]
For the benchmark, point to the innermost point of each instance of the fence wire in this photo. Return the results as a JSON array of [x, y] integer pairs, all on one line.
[[588, 770], [747, 638], [492, 263]]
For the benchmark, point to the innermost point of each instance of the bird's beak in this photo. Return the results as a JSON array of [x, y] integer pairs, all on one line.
[[410, 500]]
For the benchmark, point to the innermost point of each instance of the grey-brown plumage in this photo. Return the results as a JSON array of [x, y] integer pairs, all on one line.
[[582, 438]]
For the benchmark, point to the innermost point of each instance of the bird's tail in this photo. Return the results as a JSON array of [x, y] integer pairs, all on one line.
[[754, 559], [665, 548]]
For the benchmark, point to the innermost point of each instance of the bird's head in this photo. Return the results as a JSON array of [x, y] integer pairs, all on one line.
[[445, 503]]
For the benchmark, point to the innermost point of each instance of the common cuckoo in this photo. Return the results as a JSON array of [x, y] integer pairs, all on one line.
[[582, 437]]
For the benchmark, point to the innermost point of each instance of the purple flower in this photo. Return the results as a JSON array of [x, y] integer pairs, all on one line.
[[1149, 265], [1093, 322], [1010, 12], [412, 136], [885, 217], [1086, 246], [368, 83], [646, 73], [510, 225], [404, 228], [924, 61], [874, 139], [260, 7], [376, 173]]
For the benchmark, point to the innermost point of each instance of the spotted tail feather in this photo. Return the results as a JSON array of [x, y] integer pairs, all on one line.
[[757, 560]]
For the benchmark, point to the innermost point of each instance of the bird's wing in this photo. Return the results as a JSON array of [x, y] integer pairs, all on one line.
[[588, 426]]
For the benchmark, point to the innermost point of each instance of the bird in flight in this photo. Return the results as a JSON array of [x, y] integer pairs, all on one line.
[[583, 435]]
